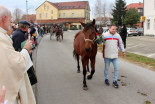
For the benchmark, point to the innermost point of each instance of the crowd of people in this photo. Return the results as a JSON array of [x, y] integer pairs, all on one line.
[[17, 43]]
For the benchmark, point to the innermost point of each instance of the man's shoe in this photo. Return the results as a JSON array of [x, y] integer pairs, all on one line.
[[107, 82], [115, 84]]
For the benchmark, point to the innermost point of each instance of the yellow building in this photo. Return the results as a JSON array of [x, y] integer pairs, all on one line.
[[67, 13]]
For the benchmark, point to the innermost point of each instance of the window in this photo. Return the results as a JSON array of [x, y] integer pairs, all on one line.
[[72, 14], [64, 15], [154, 4], [148, 24], [47, 7], [154, 24], [44, 6], [51, 11], [46, 15], [140, 10], [51, 17], [40, 15]]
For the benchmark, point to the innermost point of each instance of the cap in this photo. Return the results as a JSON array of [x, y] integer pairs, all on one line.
[[24, 22]]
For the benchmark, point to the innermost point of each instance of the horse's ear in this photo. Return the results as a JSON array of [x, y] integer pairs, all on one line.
[[93, 23], [83, 24]]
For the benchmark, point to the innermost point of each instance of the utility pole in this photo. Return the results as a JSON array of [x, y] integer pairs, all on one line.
[[26, 10]]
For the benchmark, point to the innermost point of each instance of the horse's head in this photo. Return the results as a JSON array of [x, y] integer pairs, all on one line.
[[89, 35]]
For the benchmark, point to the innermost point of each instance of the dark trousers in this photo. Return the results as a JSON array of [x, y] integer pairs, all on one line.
[[124, 42]]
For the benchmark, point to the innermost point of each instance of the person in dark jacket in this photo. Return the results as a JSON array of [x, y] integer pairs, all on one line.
[[123, 34], [100, 31], [18, 36]]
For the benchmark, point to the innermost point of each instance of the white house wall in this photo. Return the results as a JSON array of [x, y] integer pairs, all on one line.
[[149, 13]]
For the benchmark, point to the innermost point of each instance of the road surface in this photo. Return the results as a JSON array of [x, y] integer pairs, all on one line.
[[58, 82]]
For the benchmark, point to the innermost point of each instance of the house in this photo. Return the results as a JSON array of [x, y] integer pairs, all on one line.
[[30, 18], [67, 13], [149, 14], [139, 8], [102, 21]]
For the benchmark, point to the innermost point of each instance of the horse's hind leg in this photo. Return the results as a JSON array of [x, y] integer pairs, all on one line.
[[92, 68], [78, 64]]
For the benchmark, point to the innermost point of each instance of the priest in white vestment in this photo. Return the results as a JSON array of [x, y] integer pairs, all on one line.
[[14, 65]]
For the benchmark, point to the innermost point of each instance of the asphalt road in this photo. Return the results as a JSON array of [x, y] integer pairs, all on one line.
[[58, 82], [142, 45]]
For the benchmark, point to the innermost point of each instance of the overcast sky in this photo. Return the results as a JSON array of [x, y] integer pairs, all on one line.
[[33, 4]]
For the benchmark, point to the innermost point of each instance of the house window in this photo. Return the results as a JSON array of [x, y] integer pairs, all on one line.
[[46, 15], [44, 6], [154, 24], [72, 14], [64, 15], [148, 24], [40, 15], [154, 4], [51, 11], [140, 10], [47, 7], [51, 17]]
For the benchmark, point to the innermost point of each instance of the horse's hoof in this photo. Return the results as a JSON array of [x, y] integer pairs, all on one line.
[[88, 73], [85, 88], [78, 71], [89, 77]]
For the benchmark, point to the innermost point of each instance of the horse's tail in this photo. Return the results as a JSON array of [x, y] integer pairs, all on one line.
[[74, 54]]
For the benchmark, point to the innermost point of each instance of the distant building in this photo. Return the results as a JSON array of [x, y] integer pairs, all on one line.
[[68, 13], [139, 8], [102, 21], [31, 17], [149, 13]]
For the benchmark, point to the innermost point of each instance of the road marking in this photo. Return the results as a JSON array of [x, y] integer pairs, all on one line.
[[133, 46], [150, 55]]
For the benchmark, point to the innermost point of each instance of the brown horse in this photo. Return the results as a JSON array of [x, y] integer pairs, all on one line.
[[86, 47], [58, 33]]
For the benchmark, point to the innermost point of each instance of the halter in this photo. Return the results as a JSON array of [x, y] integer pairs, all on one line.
[[90, 40]]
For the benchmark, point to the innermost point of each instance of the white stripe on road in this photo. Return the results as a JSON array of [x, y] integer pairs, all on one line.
[[150, 55], [133, 46]]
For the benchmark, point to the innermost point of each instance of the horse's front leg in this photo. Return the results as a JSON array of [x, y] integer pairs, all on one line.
[[84, 63], [92, 68]]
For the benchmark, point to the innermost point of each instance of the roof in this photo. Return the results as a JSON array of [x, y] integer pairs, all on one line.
[[30, 17], [69, 5], [135, 5], [102, 18], [61, 20]]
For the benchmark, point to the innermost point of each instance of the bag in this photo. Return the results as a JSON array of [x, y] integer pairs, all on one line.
[[34, 34], [32, 75]]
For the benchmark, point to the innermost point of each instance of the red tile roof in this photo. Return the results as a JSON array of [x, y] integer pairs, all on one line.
[[102, 18], [30, 17], [135, 5], [61, 20], [69, 5]]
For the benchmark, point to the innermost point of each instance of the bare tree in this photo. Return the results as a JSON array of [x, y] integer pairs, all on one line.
[[104, 17], [98, 11], [17, 14]]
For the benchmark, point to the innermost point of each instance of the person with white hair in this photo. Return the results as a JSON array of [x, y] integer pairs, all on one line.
[[14, 65]]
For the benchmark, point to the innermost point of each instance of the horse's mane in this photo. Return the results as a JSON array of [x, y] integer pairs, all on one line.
[[88, 26]]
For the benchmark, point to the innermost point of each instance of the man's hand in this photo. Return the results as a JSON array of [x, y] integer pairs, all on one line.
[[28, 46], [2, 95], [123, 53]]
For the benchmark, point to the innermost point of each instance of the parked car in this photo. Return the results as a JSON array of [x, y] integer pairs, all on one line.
[[140, 31], [132, 32]]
